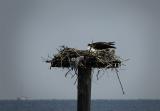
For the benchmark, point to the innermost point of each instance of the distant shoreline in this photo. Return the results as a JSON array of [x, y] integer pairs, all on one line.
[[76, 100]]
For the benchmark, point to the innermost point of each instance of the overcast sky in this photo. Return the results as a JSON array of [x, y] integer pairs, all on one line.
[[31, 29]]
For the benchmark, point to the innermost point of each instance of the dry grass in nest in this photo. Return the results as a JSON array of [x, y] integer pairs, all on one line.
[[98, 59]]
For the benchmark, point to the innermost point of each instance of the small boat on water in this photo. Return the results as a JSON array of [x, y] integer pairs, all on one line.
[[22, 98]]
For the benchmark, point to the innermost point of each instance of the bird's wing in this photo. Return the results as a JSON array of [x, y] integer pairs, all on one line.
[[111, 43]]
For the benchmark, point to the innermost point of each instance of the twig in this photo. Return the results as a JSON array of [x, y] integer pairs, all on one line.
[[76, 52], [75, 81], [97, 75], [43, 59], [67, 72], [119, 81], [73, 75], [102, 74]]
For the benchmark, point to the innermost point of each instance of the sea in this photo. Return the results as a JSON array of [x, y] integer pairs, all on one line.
[[70, 105]]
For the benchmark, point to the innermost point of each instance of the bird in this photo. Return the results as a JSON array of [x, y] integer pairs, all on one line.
[[101, 45]]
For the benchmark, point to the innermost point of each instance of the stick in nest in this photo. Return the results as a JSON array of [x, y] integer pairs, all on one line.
[[119, 81], [68, 72]]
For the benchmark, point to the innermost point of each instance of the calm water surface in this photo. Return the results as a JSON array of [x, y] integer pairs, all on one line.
[[70, 105]]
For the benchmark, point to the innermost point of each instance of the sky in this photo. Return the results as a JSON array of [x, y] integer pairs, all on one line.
[[31, 29]]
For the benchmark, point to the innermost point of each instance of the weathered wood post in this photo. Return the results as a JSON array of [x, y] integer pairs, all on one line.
[[84, 89]]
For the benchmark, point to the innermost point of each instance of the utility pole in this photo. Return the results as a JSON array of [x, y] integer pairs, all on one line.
[[84, 89]]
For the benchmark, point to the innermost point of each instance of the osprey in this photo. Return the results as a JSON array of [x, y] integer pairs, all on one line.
[[101, 45]]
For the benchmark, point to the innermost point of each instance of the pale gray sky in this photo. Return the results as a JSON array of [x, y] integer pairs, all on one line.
[[30, 29]]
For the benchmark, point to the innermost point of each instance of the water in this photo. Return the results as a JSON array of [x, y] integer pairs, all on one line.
[[70, 105]]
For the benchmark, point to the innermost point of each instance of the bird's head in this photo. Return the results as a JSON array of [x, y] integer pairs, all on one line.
[[90, 45]]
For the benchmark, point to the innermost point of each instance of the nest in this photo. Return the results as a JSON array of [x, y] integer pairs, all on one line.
[[71, 57]]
